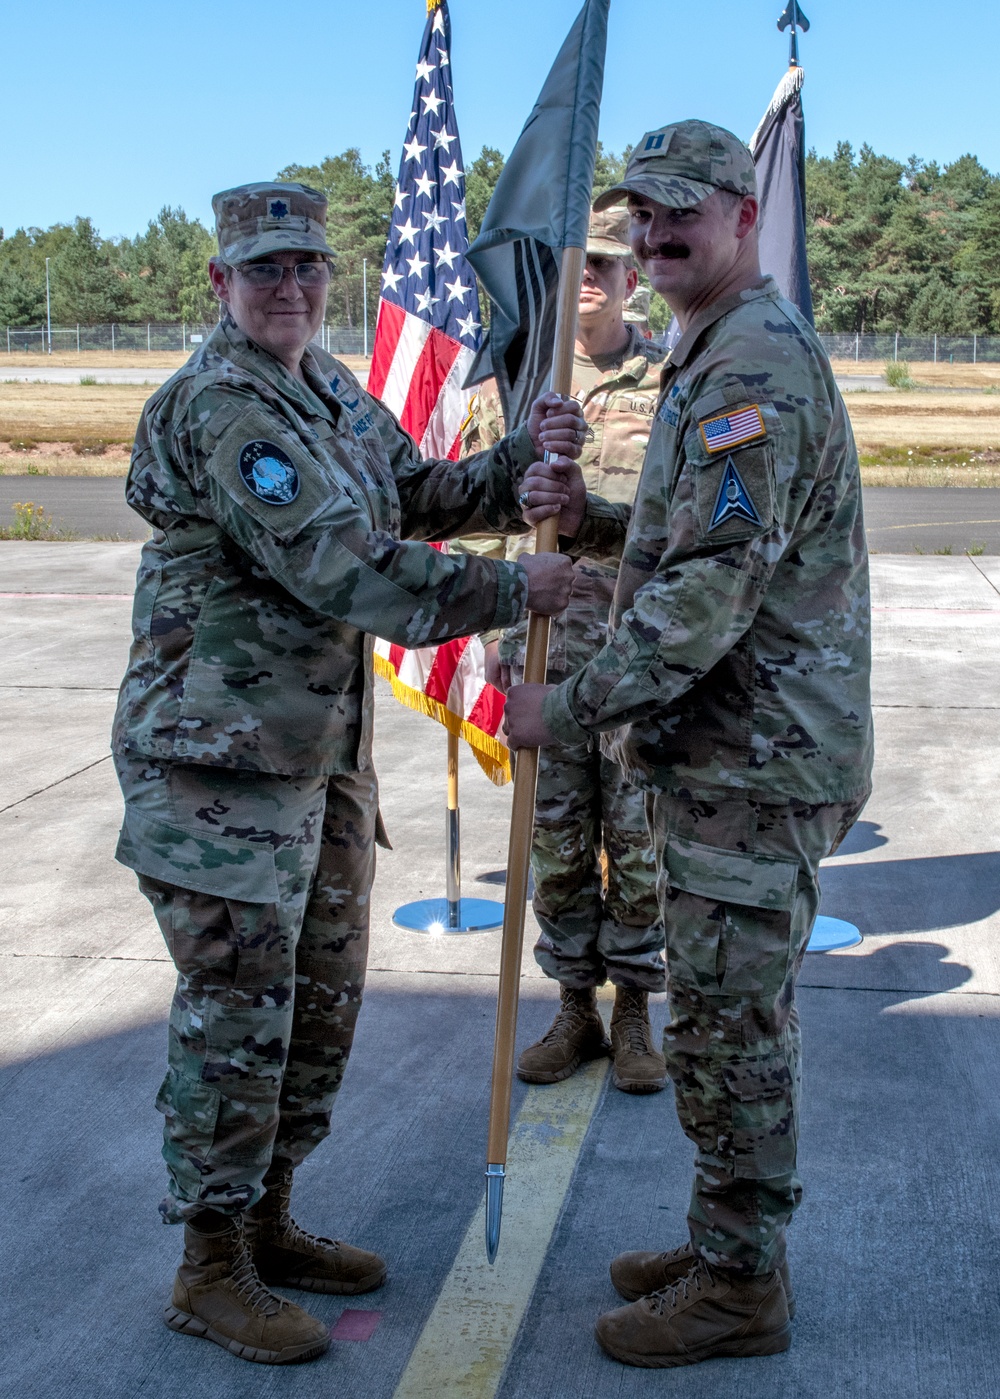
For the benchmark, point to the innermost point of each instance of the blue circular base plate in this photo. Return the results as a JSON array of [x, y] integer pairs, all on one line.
[[831, 934], [431, 916]]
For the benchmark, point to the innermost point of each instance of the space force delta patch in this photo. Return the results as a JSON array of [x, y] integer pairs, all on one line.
[[732, 429], [733, 501], [268, 472]]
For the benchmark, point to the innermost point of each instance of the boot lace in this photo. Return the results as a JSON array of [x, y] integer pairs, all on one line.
[[632, 1024], [669, 1298], [569, 1018], [247, 1285], [283, 1230]]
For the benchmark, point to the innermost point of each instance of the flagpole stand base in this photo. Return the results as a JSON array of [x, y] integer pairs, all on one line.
[[832, 934], [445, 918]]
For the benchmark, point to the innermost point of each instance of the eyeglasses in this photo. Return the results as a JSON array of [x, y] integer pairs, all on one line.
[[268, 275]]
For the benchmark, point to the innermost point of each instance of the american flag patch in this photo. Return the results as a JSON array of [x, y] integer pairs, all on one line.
[[732, 428]]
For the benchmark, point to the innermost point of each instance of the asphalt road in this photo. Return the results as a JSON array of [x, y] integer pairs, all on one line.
[[900, 520]]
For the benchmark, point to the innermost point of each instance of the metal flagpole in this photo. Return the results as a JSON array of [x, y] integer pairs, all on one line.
[[523, 812], [452, 914], [364, 299], [48, 305]]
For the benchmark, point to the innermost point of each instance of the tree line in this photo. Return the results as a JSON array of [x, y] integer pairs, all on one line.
[[913, 247]]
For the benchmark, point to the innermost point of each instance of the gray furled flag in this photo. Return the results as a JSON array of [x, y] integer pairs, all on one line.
[[779, 152], [541, 205]]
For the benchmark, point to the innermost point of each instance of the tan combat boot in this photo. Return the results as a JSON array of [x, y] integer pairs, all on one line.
[[218, 1296], [707, 1314], [576, 1034], [638, 1067], [286, 1256], [636, 1275]]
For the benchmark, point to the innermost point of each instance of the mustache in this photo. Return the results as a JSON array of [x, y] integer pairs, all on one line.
[[664, 250]]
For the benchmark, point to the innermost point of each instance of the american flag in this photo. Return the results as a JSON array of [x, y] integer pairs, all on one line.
[[428, 322], [733, 428], [427, 334]]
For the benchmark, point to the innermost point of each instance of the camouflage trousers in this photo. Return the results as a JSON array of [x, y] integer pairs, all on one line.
[[738, 889], [260, 885], [592, 931]]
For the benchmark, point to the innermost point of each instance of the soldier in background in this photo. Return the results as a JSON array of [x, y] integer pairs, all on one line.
[[595, 925], [280, 493], [735, 687], [636, 311]]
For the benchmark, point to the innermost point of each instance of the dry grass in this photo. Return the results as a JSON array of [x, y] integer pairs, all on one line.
[[70, 412], [905, 439], [929, 466], [943, 422], [944, 376], [88, 360]]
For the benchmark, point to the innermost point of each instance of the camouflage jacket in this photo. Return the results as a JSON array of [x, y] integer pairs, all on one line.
[[278, 509], [618, 410], [739, 655]]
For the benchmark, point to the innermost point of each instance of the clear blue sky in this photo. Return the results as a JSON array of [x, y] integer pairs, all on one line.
[[118, 107]]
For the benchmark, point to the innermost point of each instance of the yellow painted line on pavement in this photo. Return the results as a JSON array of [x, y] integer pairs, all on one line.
[[927, 524], [464, 1347]]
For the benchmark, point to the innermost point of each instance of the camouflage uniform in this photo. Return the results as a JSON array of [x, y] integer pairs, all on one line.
[[243, 731], [735, 689], [589, 932]]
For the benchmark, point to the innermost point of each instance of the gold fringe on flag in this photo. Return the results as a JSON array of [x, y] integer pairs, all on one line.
[[433, 5], [491, 755]]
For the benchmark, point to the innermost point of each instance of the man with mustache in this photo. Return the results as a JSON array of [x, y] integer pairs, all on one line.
[[592, 928], [734, 688]]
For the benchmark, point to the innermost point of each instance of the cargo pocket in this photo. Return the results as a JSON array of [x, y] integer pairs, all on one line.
[[763, 1116], [221, 865], [191, 1112], [734, 935]]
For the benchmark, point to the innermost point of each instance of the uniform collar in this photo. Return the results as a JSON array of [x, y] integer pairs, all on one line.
[[237, 346], [637, 357], [766, 289]]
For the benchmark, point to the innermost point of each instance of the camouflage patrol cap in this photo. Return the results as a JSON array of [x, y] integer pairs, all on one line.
[[608, 235], [636, 308], [683, 164], [253, 220]]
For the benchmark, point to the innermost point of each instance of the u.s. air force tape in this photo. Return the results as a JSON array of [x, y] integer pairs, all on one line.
[[268, 472]]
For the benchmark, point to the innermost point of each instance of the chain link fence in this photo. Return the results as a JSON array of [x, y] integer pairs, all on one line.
[[152, 337], [921, 349]]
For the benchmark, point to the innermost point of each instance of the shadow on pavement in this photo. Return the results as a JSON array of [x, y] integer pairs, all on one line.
[[897, 1155], [913, 896]]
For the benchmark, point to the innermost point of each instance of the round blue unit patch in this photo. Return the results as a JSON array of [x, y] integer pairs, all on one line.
[[269, 473]]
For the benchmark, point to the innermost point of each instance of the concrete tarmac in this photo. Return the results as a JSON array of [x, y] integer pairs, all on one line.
[[899, 519], [893, 1251]]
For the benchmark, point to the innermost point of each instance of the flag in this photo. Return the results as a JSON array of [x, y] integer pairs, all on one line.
[[428, 319], [448, 683], [778, 147], [541, 204], [427, 332]]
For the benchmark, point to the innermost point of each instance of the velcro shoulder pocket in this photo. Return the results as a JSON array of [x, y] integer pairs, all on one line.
[[730, 450], [269, 473], [731, 876]]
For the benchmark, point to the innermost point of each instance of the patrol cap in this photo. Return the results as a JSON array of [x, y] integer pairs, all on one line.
[[683, 164], [636, 308], [253, 220], [608, 235]]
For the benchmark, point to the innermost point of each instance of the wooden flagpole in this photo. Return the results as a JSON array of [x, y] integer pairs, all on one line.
[[523, 812]]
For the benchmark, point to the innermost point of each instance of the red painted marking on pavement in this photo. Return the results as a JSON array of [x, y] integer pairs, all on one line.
[[355, 1325], [74, 597]]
